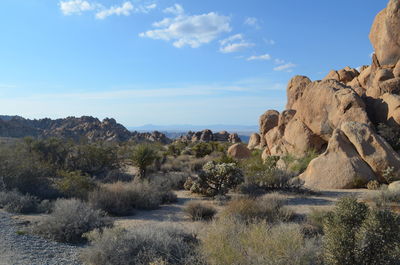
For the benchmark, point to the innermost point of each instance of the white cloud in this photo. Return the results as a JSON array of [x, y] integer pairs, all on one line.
[[284, 67], [175, 9], [279, 61], [264, 57], [269, 42], [125, 10], [185, 30], [76, 7], [234, 43], [252, 21]]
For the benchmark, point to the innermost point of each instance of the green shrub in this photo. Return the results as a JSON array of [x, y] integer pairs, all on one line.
[[379, 239], [231, 242], [69, 220], [146, 244], [299, 165], [390, 175], [269, 208], [373, 185], [15, 202], [142, 157], [198, 211], [93, 159], [315, 222], [215, 179], [202, 149], [340, 230], [75, 184]]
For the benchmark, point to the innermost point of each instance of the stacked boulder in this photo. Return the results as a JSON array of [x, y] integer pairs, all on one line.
[[338, 115], [209, 136]]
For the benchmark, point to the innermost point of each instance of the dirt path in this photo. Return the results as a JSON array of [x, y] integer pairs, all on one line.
[[17, 248]]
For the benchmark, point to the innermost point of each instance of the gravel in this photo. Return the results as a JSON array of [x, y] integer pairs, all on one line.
[[22, 249]]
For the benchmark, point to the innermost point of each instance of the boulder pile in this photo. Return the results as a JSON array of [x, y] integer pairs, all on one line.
[[338, 116], [209, 136]]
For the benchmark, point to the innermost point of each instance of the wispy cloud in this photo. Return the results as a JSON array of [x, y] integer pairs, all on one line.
[[264, 57], [74, 7], [125, 10], [176, 9], [234, 43], [253, 22], [279, 61], [285, 67], [188, 30], [77, 7]]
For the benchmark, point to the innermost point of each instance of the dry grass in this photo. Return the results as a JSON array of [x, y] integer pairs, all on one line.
[[269, 207], [231, 242], [199, 211]]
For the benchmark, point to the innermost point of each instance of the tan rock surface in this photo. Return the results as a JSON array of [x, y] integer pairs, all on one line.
[[295, 90], [239, 151], [371, 147], [385, 34], [254, 141], [339, 167], [325, 105]]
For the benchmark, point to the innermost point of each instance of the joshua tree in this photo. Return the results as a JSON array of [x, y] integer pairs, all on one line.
[[143, 156]]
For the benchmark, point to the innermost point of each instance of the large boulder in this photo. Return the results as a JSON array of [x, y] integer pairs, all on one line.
[[372, 148], [325, 105], [254, 141], [295, 90], [239, 151], [268, 121], [339, 167], [345, 75], [385, 34], [299, 139]]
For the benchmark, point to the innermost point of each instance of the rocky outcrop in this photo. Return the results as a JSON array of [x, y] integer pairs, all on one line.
[[239, 151], [338, 116], [209, 136], [339, 167], [86, 127], [372, 148], [385, 34]]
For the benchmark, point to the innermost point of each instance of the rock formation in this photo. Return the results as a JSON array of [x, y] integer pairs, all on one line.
[[209, 136], [239, 151], [338, 116], [85, 127]]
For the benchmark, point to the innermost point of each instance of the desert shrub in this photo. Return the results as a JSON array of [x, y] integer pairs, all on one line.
[[269, 208], [146, 244], [23, 172], [373, 185], [340, 230], [202, 149], [231, 242], [391, 134], [379, 239], [52, 150], [390, 175], [383, 197], [116, 175], [298, 165], [255, 164], [250, 189], [75, 184], [215, 179], [15, 202], [198, 211], [122, 198], [143, 156], [69, 220], [93, 159], [315, 222], [115, 199]]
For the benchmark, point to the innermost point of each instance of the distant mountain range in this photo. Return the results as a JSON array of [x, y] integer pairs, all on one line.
[[190, 127]]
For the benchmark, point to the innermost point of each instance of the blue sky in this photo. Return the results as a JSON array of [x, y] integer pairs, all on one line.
[[172, 62]]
